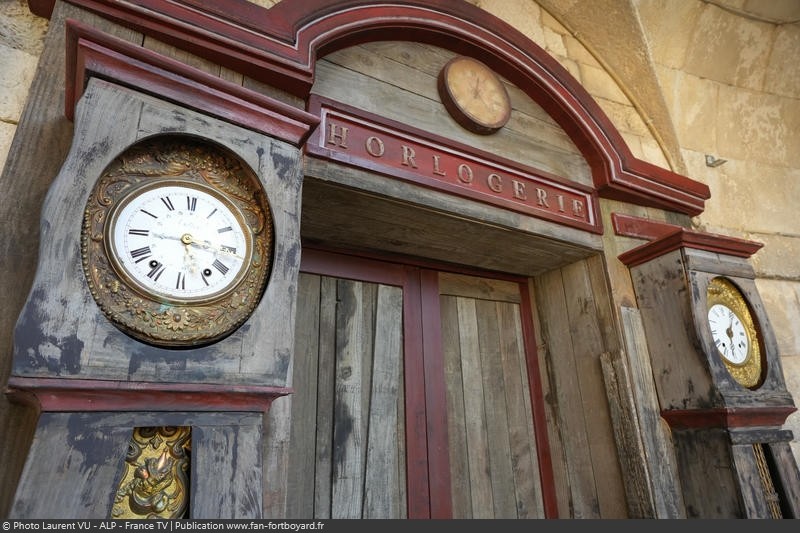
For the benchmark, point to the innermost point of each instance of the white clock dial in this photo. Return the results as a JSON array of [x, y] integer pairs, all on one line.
[[180, 241], [729, 333]]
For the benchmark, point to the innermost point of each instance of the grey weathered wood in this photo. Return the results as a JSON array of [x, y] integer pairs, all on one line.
[[82, 341], [299, 411], [627, 434], [494, 467], [348, 424], [382, 217], [227, 468], [475, 416], [385, 467], [789, 480], [456, 417], [707, 476], [655, 434], [587, 344], [325, 399], [494, 404], [522, 433], [398, 80], [77, 459], [347, 454]]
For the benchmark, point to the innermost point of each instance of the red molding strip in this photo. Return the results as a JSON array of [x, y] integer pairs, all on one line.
[[727, 417], [61, 395], [668, 237], [93, 53], [280, 45]]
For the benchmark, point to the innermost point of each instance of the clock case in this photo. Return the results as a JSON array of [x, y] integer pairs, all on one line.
[[734, 457]]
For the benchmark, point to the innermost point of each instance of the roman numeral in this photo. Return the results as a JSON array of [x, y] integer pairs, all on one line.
[[223, 230], [219, 266], [148, 213], [156, 271], [181, 281], [228, 249], [168, 203], [212, 212], [142, 232], [141, 254], [191, 203]]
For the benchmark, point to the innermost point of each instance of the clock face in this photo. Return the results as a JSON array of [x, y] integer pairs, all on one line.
[[734, 332], [729, 334], [180, 241], [177, 242], [474, 95]]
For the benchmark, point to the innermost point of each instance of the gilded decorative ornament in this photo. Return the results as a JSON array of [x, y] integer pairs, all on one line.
[[177, 242], [155, 483], [734, 332]]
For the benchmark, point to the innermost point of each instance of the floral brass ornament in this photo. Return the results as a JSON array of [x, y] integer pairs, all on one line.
[[177, 242], [734, 332], [155, 483]]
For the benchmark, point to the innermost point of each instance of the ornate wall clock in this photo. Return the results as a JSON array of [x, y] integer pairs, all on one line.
[[734, 332], [474, 95], [177, 242]]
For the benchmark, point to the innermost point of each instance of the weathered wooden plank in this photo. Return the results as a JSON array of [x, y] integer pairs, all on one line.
[[521, 437], [479, 288], [549, 393], [494, 401], [383, 479], [227, 469], [587, 342], [348, 422], [326, 380], [456, 417], [476, 428], [499, 239], [627, 434], [566, 390], [655, 435], [301, 407]]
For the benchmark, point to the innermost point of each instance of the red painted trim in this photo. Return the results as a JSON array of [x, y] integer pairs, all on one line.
[[727, 417], [435, 397], [640, 228], [684, 238], [93, 53], [280, 45], [546, 475], [317, 261], [62, 395], [417, 453], [364, 140]]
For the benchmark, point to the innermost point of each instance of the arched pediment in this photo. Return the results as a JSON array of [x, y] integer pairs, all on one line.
[[280, 46]]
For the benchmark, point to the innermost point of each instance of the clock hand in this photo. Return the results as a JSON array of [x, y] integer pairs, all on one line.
[[189, 240]]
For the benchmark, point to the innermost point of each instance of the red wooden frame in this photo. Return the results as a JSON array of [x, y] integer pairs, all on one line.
[[65, 395], [728, 417], [280, 46], [427, 442], [665, 238]]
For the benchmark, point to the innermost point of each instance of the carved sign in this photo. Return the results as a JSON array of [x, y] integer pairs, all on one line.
[[400, 151]]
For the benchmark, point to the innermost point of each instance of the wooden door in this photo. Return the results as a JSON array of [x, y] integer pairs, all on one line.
[[492, 437], [412, 396]]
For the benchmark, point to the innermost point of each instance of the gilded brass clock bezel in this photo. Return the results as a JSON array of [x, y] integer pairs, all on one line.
[[147, 316], [465, 113], [748, 373]]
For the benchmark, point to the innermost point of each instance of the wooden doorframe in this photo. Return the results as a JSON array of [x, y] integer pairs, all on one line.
[[427, 442]]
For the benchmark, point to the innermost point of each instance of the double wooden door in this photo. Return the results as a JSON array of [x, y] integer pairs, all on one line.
[[416, 395]]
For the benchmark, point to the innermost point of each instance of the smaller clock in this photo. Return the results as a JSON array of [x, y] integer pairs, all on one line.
[[734, 332], [474, 95]]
